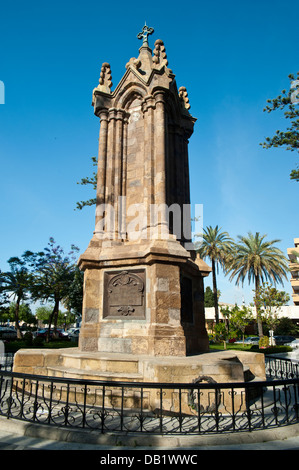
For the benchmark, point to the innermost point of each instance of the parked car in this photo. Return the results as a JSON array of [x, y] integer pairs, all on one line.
[[73, 333], [249, 340], [62, 333], [293, 344], [70, 330], [283, 339], [42, 333], [7, 333]]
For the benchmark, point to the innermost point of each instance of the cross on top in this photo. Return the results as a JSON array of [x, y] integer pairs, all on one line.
[[146, 31]]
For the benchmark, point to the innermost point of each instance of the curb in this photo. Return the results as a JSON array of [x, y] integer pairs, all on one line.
[[150, 441]]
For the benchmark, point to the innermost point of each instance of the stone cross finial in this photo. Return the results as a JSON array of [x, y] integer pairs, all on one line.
[[146, 31]]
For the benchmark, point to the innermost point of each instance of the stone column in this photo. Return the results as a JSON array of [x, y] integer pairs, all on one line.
[[160, 163], [187, 214], [102, 156], [118, 173], [148, 190], [110, 172], [123, 207]]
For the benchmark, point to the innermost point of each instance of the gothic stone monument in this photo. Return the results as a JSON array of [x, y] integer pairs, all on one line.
[[143, 308], [143, 285]]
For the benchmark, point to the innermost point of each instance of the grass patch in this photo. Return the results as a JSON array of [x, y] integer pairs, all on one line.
[[250, 348], [14, 346]]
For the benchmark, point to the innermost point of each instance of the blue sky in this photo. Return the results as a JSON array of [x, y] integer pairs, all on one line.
[[231, 56]]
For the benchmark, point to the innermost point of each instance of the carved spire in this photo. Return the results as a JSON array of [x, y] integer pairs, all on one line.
[[105, 81], [183, 95], [160, 57]]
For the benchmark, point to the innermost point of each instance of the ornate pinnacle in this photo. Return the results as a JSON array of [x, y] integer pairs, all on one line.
[[184, 97], [146, 31]]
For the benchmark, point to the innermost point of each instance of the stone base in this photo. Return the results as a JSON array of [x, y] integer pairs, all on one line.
[[143, 298], [222, 366]]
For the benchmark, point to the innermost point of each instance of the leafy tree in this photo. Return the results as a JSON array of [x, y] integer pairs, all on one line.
[[221, 332], [4, 314], [53, 278], [269, 300], [259, 261], [89, 181], [17, 282], [288, 139], [209, 297], [238, 318], [43, 313], [25, 313], [216, 246], [65, 318], [74, 299], [285, 326]]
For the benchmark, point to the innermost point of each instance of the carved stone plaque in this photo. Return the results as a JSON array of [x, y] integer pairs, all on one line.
[[124, 294]]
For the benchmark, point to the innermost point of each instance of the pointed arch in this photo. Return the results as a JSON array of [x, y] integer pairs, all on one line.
[[129, 93]]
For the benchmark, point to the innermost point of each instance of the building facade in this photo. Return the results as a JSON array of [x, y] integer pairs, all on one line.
[[293, 254]]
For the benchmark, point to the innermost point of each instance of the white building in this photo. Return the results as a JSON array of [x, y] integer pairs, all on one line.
[[289, 311]]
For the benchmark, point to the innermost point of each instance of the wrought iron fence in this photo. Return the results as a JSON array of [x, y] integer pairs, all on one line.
[[159, 408], [281, 368]]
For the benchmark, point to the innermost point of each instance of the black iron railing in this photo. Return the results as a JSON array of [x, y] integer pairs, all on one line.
[[161, 408], [281, 368]]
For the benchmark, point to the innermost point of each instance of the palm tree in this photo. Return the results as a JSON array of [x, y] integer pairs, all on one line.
[[54, 278], [258, 260], [216, 246], [16, 283]]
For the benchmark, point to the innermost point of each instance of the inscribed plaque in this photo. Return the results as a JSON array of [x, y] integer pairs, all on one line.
[[124, 294]]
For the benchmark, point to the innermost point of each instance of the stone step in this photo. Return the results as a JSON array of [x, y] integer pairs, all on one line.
[[111, 363], [113, 396], [84, 374]]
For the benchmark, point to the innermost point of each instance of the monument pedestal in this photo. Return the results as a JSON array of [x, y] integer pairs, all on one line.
[[221, 366], [211, 367], [143, 298]]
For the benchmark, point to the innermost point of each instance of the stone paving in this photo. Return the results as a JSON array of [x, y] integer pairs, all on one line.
[[16, 435]]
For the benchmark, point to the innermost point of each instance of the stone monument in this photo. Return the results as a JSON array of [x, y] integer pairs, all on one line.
[[143, 307], [143, 285]]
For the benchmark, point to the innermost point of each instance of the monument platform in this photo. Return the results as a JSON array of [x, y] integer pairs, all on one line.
[[220, 366], [131, 378]]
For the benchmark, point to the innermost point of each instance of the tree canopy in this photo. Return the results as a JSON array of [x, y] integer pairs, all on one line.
[[54, 276], [17, 282], [216, 245], [89, 181], [257, 260], [47, 276], [289, 139]]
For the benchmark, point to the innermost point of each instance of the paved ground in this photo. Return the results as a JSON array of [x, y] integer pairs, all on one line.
[[17, 435]]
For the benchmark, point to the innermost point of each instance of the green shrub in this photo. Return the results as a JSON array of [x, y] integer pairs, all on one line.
[[28, 339], [38, 342], [271, 349], [264, 342]]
